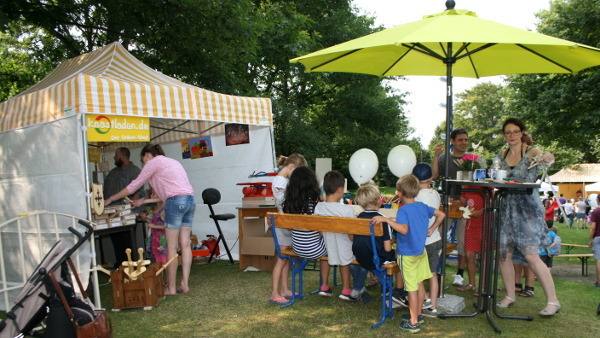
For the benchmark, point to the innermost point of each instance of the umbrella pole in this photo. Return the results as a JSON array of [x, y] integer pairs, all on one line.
[[448, 61]]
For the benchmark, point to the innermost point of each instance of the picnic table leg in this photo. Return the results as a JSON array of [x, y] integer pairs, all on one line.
[[584, 265]]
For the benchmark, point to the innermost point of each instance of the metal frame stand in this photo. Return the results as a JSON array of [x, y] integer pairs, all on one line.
[[489, 257]]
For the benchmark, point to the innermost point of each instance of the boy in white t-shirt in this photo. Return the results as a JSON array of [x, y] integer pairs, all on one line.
[[433, 243], [339, 246]]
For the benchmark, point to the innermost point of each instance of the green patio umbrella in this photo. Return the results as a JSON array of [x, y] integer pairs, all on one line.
[[452, 43]]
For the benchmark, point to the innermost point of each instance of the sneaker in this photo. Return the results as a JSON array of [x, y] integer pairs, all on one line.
[[366, 297], [426, 304], [431, 313], [408, 327], [356, 293], [347, 297], [326, 293], [406, 318], [458, 280], [597, 285], [399, 298]]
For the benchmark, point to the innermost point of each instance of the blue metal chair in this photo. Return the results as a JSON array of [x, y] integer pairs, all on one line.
[[385, 280], [297, 265]]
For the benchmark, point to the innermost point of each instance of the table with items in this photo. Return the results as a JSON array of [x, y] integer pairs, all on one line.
[[494, 193]]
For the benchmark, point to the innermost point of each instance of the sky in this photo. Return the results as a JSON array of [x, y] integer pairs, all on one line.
[[426, 101]]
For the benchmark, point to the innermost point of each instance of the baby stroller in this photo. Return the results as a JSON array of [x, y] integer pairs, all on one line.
[[49, 294]]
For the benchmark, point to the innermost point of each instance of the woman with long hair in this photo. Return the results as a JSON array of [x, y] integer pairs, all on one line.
[[170, 182], [522, 225]]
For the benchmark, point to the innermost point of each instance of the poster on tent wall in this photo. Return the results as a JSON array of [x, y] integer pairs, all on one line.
[[185, 149], [236, 134], [200, 147], [113, 128]]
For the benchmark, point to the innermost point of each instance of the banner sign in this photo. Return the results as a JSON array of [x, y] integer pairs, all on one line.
[[113, 128]]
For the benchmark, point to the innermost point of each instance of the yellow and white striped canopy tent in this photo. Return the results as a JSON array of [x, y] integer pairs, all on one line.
[[111, 81]]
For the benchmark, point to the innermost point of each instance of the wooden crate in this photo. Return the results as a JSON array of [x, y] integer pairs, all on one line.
[[146, 291]]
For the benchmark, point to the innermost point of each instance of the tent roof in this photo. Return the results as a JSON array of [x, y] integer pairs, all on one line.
[[578, 173], [111, 81]]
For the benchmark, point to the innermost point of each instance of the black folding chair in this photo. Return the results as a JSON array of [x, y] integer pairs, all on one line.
[[212, 196]]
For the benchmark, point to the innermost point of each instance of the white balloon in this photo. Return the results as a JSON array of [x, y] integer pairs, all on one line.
[[401, 160], [363, 165]]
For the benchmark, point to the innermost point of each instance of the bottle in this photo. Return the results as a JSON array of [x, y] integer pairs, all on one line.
[[495, 167], [496, 162]]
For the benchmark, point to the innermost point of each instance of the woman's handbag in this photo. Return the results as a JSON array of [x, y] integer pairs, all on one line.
[[85, 321]]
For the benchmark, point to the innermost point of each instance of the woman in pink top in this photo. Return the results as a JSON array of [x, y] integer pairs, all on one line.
[[170, 182]]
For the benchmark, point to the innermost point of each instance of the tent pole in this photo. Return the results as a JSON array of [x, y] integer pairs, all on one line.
[[274, 154], [86, 157]]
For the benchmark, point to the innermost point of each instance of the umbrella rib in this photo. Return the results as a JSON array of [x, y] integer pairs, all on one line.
[[398, 60], [334, 59], [463, 47], [424, 50], [472, 64], [469, 53], [545, 58]]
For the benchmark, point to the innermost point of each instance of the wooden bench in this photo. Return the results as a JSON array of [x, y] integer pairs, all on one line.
[[353, 226], [569, 247], [582, 257]]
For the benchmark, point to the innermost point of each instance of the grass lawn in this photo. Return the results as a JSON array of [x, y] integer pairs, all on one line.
[[225, 301]]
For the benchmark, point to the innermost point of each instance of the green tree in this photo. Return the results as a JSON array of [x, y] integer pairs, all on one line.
[[563, 110], [481, 110], [234, 47]]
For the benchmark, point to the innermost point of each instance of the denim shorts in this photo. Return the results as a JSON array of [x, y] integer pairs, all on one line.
[[179, 211], [596, 248], [518, 258]]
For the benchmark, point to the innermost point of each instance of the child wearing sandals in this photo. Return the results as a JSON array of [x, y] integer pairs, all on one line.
[[412, 220], [301, 197], [280, 290]]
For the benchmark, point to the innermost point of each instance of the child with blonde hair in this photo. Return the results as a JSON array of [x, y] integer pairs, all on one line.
[[412, 224], [368, 197]]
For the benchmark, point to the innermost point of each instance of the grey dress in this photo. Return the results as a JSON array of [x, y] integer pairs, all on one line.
[[522, 225]]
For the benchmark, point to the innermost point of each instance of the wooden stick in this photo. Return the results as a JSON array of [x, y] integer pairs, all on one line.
[[140, 260], [165, 265], [100, 268], [128, 271]]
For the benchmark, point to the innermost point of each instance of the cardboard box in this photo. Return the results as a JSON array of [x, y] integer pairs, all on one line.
[[128, 221], [101, 226], [101, 221], [128, 217], [109, 210], [256, 240], [258, 201], [122, 207], [125, 212], [115, 220], [254, 227]]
